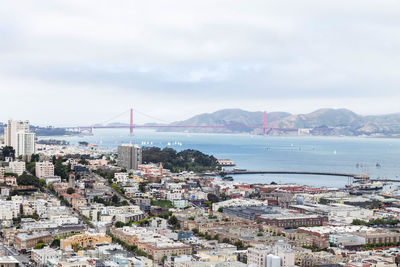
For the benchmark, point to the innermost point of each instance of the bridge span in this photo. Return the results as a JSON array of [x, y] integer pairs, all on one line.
[[351, 175]]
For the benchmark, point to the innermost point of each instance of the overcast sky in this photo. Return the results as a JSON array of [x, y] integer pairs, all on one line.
[[84, 61]]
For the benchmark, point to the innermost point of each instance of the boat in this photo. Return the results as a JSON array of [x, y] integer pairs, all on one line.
[[227, 178], [355, 193], [370, 186], [239, 170]]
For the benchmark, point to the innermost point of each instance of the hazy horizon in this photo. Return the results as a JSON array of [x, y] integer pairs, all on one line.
[[73, 62]]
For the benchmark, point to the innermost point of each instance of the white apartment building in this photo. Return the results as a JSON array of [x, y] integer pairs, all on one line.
[[41, 256], [10, 132], [174, 195], [9, 210], [25, 144], [278, 255], [44, 169], [17, 167], [121, 177], [257, 256], [17, 135]]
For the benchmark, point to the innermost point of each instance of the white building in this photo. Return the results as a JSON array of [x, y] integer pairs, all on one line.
[[121, 177], [41, 256], [257, 256], [10, 132], [44, 169], [25, 144], [180, 203], [17, 167], [273, 261], [52, 179], [278, 255], [18, 136]]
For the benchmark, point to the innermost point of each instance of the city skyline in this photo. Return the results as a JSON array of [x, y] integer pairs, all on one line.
[[174, 60]]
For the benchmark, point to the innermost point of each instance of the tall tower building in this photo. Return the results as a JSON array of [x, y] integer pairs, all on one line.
[[17, 135], [129, 156]]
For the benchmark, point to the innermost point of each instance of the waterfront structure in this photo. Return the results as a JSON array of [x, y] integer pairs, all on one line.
[[44, 169], [17, 135], [129, 156]]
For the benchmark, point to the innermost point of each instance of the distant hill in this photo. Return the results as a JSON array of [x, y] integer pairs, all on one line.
[[320, 122], [228, 117]]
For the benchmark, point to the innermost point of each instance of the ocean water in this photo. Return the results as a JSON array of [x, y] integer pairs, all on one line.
[[251, 152]]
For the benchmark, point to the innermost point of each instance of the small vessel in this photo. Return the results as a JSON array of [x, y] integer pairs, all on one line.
[[378, 166], [370, 186], [227, 178], [239, 170]]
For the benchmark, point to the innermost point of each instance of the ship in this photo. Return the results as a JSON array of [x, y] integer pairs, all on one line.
[[227, 178], [370, 186]]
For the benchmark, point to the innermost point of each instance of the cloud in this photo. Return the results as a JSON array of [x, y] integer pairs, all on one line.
[[176, 58]]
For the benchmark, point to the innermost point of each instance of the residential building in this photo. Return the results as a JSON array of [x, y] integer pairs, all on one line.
[[129, 156], [121, 177], [44, 169], [17, 167], [25, 144], [9, 261], [151, 242], [41, 256], [10, 132], [27, 241], [85, 240]]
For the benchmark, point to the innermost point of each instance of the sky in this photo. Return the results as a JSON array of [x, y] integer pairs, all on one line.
[[77, 62]]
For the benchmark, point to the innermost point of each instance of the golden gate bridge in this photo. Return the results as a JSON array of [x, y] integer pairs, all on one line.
[[89, 129]]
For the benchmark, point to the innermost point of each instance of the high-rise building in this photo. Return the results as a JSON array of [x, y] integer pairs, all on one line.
[[129, 156], [25, 144], [10, 132], [17, 135], [44, 169]]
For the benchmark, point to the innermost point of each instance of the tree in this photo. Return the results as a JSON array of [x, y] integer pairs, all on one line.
[[119, 224], [212, 197], [70, 190], [26, 179], [83, 161], [220, 209], [60, 169], [55, 243], [39, 245], [226, 240], [35, 157], [174, 222], [142, 187], [8, 152], [238, 244], [31, 167], [115, 199]]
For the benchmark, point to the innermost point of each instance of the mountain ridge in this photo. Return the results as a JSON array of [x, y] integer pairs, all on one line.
[[325, 121]]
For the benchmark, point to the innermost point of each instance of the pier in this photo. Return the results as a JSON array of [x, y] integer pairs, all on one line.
[[355, 176]]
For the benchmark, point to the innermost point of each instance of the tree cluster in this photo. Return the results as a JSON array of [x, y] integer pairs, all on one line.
[[185, 160]]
